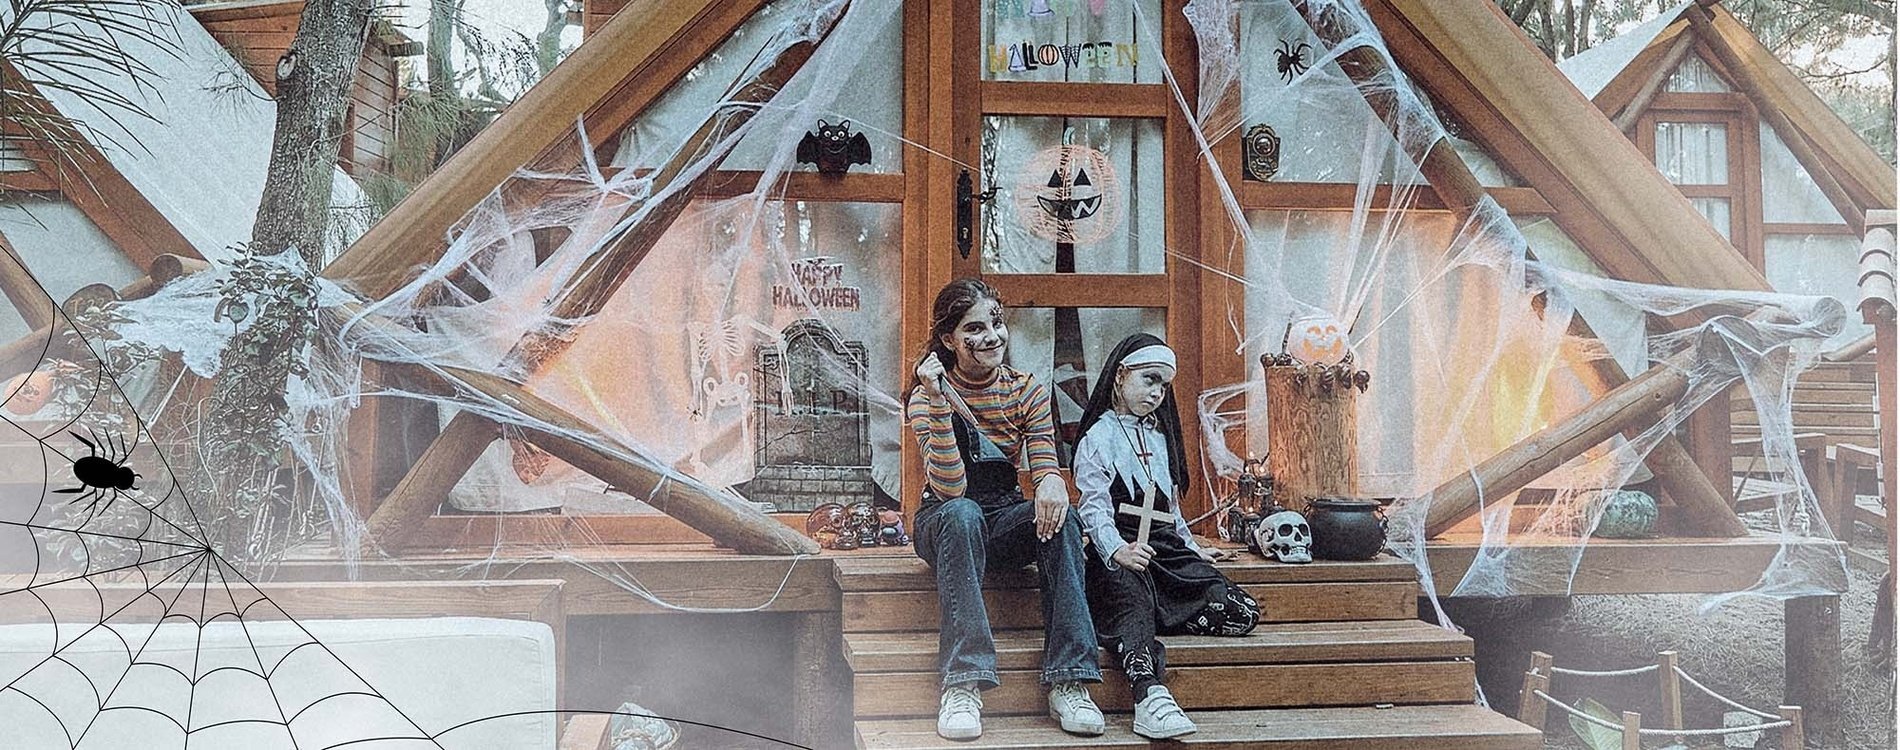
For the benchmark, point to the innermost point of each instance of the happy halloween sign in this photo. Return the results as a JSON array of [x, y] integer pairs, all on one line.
[[822, 282]]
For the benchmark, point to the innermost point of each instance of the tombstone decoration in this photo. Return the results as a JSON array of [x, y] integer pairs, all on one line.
[[813, 437], [1263, 152], [834, 148], [1069, 194]]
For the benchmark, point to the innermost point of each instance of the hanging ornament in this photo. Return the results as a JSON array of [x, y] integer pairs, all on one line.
[[1291, 59], [1263, 152], [1069, 194], [834, 148]]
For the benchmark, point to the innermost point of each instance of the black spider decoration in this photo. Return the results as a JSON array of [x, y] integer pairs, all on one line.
[[1292, 59], [834, 148], [101, 477]]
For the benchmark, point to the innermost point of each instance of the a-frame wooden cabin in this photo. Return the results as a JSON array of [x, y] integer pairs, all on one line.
[[863, 622]]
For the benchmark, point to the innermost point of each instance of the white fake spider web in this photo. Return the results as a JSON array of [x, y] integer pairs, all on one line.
[[121, 626]]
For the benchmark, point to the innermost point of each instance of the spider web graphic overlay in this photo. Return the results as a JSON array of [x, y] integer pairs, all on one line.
[[121, 626]]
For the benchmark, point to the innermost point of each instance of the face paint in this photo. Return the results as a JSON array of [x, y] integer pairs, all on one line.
[[980, 341], [1139, 391]]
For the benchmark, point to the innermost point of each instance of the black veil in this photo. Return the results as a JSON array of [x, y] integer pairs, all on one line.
[[1167, 416]]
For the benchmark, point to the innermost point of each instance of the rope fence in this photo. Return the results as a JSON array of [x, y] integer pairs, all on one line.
[[1536, 697]]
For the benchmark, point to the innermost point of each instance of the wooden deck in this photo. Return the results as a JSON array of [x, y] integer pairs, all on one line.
[[611, 579]]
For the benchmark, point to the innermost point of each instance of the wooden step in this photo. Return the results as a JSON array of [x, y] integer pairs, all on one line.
[[1225, 686], [907, 573], [1284, 643], [1820, 394], [1453, 727], [1021, 608]]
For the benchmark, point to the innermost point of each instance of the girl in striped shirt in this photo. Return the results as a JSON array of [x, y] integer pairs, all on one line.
[[977, 419]]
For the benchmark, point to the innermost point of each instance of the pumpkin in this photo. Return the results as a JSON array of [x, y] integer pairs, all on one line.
[[28, 392], [1318, 340], [1069, 194]]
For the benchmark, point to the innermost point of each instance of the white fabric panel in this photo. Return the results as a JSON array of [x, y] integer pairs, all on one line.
[[1824, 264], [1032, 344], [1693, 153], [439, 672], [1133, 189], [1788, 192], [1619, 326]]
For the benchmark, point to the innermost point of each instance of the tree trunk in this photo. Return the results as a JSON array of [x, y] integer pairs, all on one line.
[[444, 16], [240, 442], [547, 44], [313, 89]]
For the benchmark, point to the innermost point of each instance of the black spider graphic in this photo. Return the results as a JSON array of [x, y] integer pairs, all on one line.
[[1292, 60], [101, 477]]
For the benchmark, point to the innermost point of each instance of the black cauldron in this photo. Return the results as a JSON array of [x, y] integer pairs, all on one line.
[[1346, 528]]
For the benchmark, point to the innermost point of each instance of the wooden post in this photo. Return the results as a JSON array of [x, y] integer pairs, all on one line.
[[1877, 302], [821, 705], [1632, 731], [1312, 437], [1530, 708], [1812, 663], [1671, 689], [1792, 736]]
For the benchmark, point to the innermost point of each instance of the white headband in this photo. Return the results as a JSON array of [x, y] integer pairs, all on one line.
[[1153, 354]]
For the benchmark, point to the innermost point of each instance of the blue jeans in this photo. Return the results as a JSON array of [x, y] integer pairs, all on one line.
[[961, 540]]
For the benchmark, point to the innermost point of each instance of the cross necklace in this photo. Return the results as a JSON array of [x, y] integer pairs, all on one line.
[[1146, 511]]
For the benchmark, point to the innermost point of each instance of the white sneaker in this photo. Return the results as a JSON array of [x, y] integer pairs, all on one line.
[[1158, 717], [1070, 704], [959, 713]]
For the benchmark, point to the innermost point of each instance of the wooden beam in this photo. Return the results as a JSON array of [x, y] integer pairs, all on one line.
[[1336, 196], [1082, 289], [1635, 405], [1850, 209], [1705, 508], [1654, 82], [21, 289], [1563, 566], [1616, 95], [427, 485], [1077, 99], [25, 352], [609, 80], [725, 518], [590, 291]]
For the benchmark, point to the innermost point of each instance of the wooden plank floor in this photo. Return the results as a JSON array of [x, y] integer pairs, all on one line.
[[1465, 727]]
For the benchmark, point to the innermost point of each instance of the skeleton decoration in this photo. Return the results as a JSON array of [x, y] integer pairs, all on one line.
[[1263, 152], [1284, 536], [834, 148]]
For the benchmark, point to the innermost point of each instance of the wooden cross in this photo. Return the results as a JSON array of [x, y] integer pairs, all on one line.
[[1146, 512]]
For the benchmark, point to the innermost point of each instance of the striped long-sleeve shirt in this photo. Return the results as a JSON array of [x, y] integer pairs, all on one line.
[[1013, 411]]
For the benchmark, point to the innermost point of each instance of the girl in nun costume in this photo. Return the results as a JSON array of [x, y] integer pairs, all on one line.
[[1131, 447]]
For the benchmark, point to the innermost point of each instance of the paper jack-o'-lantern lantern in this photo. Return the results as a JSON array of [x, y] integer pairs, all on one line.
[[27, 393], [1318, 340], [1069, 194]]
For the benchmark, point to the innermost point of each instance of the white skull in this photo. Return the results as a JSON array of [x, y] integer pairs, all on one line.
[[1284, 536]]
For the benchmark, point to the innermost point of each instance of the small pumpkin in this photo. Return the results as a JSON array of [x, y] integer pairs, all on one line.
[[1318, 340], [28, 392]]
